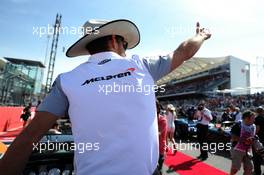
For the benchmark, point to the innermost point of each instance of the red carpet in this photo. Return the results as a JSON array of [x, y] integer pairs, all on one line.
[[186, 165]]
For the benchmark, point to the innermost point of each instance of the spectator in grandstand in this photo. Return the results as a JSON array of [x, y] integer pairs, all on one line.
[[26, 114], [204, 117], [242, 135], [55, 129], [181, 112], [129, 124], [236, 114], [259, 122], [162, 125], [226, 116], [171, 116], [214, 103], [190, 112]]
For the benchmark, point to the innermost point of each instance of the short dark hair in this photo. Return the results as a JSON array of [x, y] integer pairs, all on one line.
[[247, 114], [101, 44]]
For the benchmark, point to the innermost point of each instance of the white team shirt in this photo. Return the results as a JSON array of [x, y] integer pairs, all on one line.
[[121, 126]]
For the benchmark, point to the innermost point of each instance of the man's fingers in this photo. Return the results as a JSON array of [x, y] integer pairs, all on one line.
[[197, 24], [197, 27], [197, 30]]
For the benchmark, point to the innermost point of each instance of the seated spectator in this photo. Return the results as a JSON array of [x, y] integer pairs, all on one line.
[[54, 129], [226, 116], [190, 112], [236, 114]]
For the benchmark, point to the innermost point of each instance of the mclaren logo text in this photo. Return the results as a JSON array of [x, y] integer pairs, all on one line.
[[109, 77]]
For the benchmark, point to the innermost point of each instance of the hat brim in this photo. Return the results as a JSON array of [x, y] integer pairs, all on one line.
[[122, 27]]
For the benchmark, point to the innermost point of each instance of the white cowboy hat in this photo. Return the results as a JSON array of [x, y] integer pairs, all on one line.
[[94, 29]]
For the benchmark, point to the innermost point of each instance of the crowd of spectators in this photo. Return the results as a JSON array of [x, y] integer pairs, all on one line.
[[218, 104]]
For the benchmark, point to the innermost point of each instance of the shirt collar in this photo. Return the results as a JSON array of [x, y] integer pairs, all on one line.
[[98, 57]]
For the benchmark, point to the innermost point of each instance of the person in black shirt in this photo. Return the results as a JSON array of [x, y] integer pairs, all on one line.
[[235, 134], [226, 115], [26, 114], [259, 122]]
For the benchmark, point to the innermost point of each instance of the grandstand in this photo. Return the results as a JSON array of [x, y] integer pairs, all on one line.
[[200, 77]]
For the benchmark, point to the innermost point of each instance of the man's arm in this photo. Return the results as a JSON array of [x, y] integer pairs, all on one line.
[[188, 48], [18, 153], [159, 67]]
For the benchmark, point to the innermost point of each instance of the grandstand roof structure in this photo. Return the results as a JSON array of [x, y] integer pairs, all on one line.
[[193, 66], [24, 61]]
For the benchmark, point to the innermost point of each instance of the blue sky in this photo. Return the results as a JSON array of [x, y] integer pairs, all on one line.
[[237, 26]]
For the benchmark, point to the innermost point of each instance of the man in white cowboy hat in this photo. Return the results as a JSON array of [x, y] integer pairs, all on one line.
[[121, 127]]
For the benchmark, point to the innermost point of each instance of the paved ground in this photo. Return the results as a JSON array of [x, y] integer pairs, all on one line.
[[220, 160]]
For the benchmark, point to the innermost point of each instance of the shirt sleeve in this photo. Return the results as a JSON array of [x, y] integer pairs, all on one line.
[[208, 114], [158, 66], [56, 102]]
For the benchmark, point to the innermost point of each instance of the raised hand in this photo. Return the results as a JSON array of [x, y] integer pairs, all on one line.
[[205, 33]]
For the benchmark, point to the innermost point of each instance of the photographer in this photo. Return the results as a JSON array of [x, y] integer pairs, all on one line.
[[259, 122], [226, 115], [204, 116]]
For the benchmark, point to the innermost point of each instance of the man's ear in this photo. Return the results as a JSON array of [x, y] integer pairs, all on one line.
[[114, 43]]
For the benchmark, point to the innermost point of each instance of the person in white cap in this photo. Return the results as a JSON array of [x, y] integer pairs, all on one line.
[[126, 142]]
